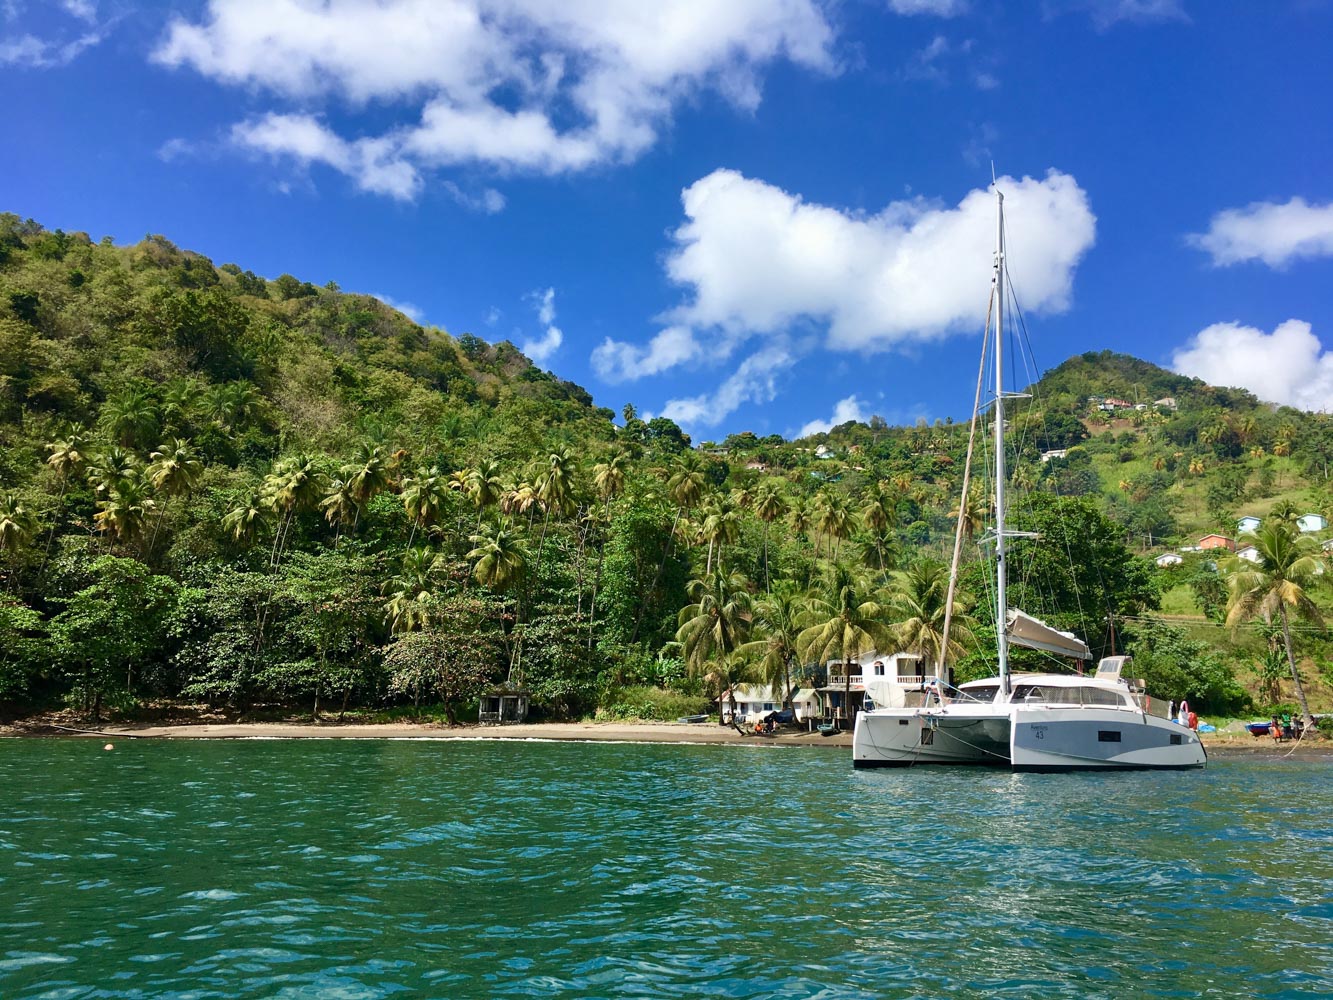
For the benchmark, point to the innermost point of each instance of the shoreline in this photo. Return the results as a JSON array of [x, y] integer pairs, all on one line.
[[708, 733]]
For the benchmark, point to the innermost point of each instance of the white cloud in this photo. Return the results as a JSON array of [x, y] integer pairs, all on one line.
[[1275, 234], [1288, 366], [616, 361], [939, 8], [540, 350], [1106, 13], [489, 201], [84, 10], [413, 312], [372, 163], [754, 381], [758, 260], [843, 411], [761, 263], [32, 52], [512, 84]]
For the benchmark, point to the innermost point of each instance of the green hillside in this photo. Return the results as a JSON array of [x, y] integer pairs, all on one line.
[[217, 488]]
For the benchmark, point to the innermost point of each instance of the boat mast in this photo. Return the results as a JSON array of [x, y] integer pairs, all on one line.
[[1001, 601]]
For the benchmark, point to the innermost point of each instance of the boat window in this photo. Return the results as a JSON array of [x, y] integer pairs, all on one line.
[[1175, 739], [986, 692], [1108, 736]]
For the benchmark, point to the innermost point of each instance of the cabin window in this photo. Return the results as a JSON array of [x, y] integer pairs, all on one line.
[[902, 722], [1108, 736], [1175, 739], [927, 736]]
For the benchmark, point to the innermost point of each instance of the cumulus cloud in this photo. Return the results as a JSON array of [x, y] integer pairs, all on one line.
[[756, 259], [758, 262], [540, 350], [616, 361], [372, 163], [1288, 366], [844, 410], [754, 381], [511, 84], [1275, 234]]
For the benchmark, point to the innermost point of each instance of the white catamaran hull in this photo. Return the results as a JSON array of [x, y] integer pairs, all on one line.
[[1077, 739], [908, 737]]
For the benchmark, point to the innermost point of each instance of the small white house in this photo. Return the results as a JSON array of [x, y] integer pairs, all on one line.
[[750, 698], [1311, 522], [1168, 559], [1248, 523], [1249, 553], [805, 702], [1046, 456]]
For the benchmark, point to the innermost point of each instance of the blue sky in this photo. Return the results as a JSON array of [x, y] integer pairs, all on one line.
[[760, 215]]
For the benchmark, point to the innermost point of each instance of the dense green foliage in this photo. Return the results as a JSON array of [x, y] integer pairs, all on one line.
[[232, 490]]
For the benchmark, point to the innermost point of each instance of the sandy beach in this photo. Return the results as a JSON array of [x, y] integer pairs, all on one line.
[[1218, 744]]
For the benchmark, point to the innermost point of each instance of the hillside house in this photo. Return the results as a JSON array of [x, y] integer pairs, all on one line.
[[1167, 559], [1311, 522], [1248, 524], [1165, 403], [1250, 554], [1216, 542], [1046, 456]]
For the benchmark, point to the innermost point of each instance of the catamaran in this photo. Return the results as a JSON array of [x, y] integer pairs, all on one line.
[[1027, 722]]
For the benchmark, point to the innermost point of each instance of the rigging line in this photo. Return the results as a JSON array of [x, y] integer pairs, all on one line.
[[1064, 528], [964, 495]]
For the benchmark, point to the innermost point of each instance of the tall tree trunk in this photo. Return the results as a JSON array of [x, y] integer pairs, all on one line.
[[1306, 717]]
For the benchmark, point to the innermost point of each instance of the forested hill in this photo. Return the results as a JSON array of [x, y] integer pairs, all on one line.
[[234, 490]]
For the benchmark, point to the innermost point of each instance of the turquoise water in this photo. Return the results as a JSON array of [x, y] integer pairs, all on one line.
[[502, 869]]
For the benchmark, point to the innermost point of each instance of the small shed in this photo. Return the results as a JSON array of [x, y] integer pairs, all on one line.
[[1311, 522], [503, 705]]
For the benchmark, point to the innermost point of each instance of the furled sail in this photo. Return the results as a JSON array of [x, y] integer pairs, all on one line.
[[1024, 630]]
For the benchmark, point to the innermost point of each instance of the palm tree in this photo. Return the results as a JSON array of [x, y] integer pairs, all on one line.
[[174, 471], [412, 588], [123, 514], [340, 507], [608, 477], [835, 519], [293, 486], [131, 418], [110, 468], [721, 526], [243, 522], [1277, 584], [68, 456], [769, 505], [916, 606], [501, 562], [974, 509], [424, 497], [483, 485], [845, 620], [369, 476], [17, 524], [715, 625], [500, 556], [777, 619]]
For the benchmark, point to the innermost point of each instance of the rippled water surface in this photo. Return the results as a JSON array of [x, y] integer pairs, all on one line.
[[501, 869]]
